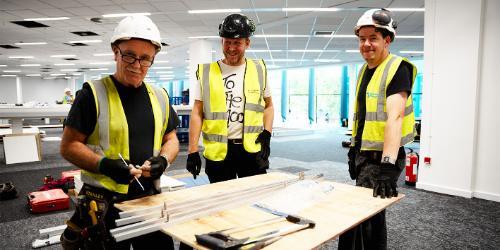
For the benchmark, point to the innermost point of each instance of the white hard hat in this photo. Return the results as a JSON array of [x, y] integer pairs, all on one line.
[[67, 90], [137, 26], [380, 18]]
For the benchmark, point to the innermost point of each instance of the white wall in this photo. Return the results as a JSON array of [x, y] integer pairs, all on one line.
[[33, 89], [487, 177], [458, 116], [8, 89]]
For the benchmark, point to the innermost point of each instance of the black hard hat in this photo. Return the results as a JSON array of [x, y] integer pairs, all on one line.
[[236, 26]]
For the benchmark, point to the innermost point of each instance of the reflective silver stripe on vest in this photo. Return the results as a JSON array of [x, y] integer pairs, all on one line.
[[253, 129], [381, 91], [215, 115], [254, 107], [102, 114], [260, 74], [382, 117], [214, 138], [207, 114], [161, 100], [380, 145]]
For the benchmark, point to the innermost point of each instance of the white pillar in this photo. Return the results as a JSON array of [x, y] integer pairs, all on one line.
[[452, 99], [199, 52], [352, 93], [19, 88]]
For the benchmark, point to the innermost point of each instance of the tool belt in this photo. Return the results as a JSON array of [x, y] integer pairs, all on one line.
[[89, 226]]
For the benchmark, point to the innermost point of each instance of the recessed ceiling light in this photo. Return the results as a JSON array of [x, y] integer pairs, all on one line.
[[263, 50], [98, 69], [30, 65], [214, 11], [126, 14], [33, 43], [9, 75], [57, 74], [326, 60], [11, 71], [100, 63], [352, 50], [46, 19], [164, 72], [310, 9], [68, 70], [162, 67], [57, 56], [161, 61], [409, 37], [33, 75], [21, 57], [406, 9], [103, 54], [410, 52], [3, 65]]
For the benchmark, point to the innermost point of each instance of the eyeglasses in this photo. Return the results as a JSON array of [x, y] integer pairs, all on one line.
[[131, 59]]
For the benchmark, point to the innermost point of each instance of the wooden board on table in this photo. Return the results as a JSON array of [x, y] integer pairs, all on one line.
[[343, 208]]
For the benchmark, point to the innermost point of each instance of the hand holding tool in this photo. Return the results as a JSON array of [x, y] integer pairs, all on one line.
[[158, 165], [193, 164], [115, 169], [124, 162]]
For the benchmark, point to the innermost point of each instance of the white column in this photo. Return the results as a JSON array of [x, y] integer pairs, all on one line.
[[199, 52], [352, 93], [459, 106], [19, 89]]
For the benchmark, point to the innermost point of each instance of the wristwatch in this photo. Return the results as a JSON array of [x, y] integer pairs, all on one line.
[[388, 159]]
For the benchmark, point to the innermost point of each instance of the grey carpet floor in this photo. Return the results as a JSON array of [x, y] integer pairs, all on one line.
[[422, 220]]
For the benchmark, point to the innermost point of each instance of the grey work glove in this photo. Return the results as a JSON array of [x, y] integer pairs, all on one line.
[[158, 166], [264, 139], [116, 170], [193, 164], [386, 181], [351, 161]]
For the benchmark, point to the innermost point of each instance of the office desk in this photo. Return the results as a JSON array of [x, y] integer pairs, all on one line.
[[16, 114], [343, 208]]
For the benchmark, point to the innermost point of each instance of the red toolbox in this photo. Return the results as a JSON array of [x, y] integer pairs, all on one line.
[[70, 174], [50, 200]]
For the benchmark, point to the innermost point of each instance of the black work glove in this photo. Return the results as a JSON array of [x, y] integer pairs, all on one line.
[[193, 164], [386, 182], [351, 155], [264, 139], [116, 170], [158, 166]]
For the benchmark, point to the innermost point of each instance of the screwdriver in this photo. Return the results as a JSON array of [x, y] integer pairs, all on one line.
[[124, 162]]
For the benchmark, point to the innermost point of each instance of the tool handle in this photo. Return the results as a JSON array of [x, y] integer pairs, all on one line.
[[212, 242]]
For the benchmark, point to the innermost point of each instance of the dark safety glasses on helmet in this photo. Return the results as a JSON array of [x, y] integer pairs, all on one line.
[[383, 17]]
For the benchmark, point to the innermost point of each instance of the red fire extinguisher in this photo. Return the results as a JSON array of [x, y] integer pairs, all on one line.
[[411, 168]]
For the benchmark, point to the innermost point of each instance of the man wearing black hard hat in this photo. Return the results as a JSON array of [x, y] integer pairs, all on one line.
[[233, 109], [383, 123]]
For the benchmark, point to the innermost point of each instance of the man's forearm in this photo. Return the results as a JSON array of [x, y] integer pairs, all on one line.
[[170, 147], [392, 139], [195, 126], [268, 115], [80, 155]]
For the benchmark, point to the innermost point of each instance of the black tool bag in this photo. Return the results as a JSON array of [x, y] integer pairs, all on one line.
[[7, 191]]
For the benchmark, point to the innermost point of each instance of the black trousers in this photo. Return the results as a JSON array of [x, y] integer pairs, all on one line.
[[371, 234], [238, 163]]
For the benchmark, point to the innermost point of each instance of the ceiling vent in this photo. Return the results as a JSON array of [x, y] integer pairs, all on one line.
[[85, 33], [165, 44], [30, 24], [70, 59], [323, 33], [7, 46]]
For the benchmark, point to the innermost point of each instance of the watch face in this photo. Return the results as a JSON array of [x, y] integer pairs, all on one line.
[[386, 159]]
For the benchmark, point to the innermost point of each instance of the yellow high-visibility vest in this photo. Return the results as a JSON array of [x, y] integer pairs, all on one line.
[[215, 116], [110, 136], [376, 115]]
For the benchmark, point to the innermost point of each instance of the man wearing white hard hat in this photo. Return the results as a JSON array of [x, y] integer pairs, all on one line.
[[383, 122], [68, 97], [116, 123]]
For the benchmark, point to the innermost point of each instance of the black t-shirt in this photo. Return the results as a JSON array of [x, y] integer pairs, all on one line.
[[139, 113], [402, 81]]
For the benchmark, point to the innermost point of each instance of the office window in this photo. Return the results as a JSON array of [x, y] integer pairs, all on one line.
[[328, 84], [298, 84]]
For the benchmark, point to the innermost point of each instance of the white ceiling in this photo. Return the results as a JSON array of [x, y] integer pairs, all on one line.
[[177, 26]]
